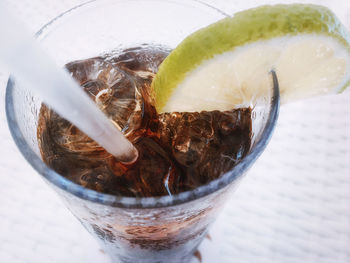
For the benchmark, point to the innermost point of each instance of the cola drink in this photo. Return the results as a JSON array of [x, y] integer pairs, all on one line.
[[178, 151]]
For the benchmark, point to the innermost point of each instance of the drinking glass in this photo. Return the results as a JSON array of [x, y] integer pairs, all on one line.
[[137, 230]]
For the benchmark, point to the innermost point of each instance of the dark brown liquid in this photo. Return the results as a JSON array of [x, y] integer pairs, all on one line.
[[177, 151]]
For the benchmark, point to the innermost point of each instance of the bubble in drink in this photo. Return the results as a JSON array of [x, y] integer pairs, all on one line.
[[178, 151]]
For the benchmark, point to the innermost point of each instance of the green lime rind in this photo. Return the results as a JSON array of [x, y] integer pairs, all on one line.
[[248, 26], [347, 84]]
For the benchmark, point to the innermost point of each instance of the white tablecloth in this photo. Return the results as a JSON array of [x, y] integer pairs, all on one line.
[[293, 206]]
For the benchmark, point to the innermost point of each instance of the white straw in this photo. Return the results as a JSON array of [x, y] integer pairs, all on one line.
[[32, 67]]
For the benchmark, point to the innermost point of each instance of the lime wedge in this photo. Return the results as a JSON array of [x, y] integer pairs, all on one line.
[[226, 64]]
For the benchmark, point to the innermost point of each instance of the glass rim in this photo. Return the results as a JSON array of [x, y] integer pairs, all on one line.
[[136, 202]]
